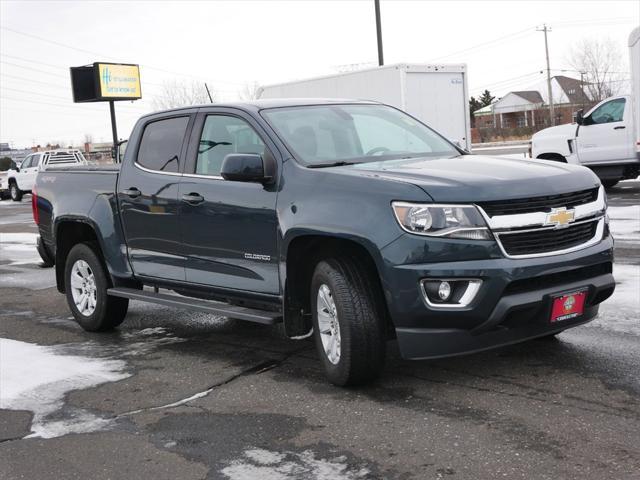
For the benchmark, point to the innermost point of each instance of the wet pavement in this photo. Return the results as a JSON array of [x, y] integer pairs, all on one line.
[[173, 394]]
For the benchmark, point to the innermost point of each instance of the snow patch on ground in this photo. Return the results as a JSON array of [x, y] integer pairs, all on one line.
[[621, 312], [37, 378], [270, 465], [19, 248], [625, 222]]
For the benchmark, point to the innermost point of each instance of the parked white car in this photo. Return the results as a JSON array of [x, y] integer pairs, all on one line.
[[22, 179]]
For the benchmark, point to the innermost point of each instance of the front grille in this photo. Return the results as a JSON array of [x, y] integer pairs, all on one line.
[[539, 204], [547, 240]]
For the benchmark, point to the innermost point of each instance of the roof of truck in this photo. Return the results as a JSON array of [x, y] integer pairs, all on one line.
[[271, 103]]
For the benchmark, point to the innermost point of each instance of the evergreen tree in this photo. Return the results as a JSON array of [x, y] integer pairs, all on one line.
[[486, 98]]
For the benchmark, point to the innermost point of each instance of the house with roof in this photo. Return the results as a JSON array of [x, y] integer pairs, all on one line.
[[515, 109], [530, 108]]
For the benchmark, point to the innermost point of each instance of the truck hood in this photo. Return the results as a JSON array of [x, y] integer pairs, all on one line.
[[567, 130], [475, 178]]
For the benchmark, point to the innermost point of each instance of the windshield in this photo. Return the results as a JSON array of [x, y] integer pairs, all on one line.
[[329, 134]]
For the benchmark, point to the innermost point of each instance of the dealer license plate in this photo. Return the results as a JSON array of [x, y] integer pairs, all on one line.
[[568, 306]]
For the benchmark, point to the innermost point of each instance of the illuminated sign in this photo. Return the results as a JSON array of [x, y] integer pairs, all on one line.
[[103, 82], [119, 81]]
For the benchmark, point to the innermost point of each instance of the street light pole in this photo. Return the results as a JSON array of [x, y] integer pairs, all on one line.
[[379, 32], [546, 29]]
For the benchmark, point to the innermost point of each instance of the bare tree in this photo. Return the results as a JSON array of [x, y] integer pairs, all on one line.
[[88, 138], [251, 91], [178, 93], [601, 62]]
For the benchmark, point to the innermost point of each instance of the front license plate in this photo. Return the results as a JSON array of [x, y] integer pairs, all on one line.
[[568, 306]]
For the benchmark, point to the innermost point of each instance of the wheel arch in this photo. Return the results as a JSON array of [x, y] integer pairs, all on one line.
[[302, 254], [70, 231], [553, 156]]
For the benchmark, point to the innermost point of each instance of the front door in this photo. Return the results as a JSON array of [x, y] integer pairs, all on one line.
[[606, 135], [229, 229], [148, 198], [27, 175]]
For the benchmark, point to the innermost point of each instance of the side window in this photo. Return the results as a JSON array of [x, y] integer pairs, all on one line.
[[27, 162], [612, 111], [222, 135], [161, 144], [35, 160]]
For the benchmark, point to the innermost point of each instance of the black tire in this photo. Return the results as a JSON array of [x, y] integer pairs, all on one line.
[[109, 311], [609, 183], [15, 192], [361, 322]]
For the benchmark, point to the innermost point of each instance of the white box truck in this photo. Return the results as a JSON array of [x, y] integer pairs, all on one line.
[[435, 94], [606, 138]]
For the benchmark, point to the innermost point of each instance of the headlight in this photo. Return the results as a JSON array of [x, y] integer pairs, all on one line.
[[451, 221]]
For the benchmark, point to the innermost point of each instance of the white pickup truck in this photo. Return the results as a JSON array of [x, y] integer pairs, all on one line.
[[606, 138], [603, 139], [23, 178]]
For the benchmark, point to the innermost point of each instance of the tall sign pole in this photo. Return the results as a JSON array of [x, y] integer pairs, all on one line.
[[546, 29], [379, 32], [114, 130]]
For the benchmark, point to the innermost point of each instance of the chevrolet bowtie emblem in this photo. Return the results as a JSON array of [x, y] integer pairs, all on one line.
[[560, 217]]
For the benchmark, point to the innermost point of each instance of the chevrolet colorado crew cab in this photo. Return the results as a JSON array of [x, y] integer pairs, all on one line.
[[347, 220]]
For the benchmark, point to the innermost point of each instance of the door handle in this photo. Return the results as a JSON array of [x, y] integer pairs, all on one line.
[[132, 192], [621, 127], [192, 198]]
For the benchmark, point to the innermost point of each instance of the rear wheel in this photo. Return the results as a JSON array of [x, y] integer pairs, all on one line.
[[348, 321], [15, 192], [86, 284]]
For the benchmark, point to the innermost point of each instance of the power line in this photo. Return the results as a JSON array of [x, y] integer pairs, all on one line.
[[36, 37], [59, 97], [34, 69], [508, 80], [484, 44], [25, 79], [59, 105]]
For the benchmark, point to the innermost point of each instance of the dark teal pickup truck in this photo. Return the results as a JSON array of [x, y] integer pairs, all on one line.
[[350, 221]]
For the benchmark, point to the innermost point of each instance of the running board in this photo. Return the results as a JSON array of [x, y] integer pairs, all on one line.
[[209, 306]]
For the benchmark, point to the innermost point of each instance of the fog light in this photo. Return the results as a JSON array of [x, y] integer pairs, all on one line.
[[444, 291], [451, 293]]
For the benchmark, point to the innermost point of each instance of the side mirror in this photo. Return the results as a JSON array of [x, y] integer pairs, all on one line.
[[17, 168], [580, 117], [244, 167]]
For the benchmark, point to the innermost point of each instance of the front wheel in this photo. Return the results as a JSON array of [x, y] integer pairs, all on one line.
[[15, 192], [86, 285], [348, 321]]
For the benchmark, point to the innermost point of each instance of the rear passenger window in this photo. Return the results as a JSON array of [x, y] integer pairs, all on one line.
[[161, 144], [222, 135]]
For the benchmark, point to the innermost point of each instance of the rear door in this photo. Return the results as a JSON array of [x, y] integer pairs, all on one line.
[[439, 100], [230, 236], [607, 134], [148, 198]]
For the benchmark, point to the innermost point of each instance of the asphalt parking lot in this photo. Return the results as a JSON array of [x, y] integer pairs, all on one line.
[[174, 394]]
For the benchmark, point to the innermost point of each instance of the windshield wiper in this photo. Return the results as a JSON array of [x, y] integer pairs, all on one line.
[[331, 164]]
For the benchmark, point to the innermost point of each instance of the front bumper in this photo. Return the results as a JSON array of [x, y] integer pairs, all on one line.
[[513, 304]]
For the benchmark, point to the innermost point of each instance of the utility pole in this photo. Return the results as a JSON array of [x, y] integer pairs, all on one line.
[[379, 32], [546, 29]]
